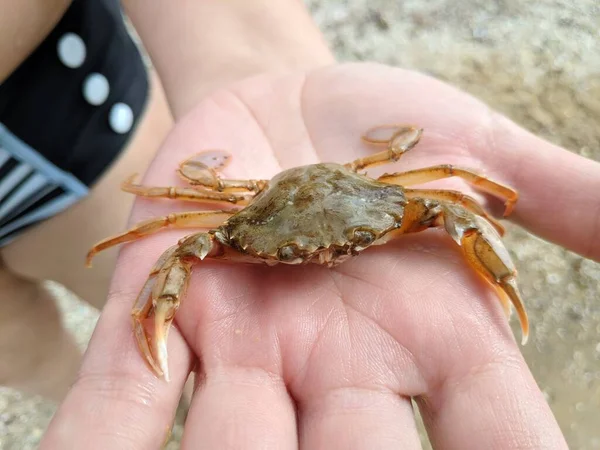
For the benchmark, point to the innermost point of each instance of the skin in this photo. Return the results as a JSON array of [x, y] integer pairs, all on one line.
[[23, 26], [310, 357]]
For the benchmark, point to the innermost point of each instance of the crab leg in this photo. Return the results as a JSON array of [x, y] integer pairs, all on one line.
[[398, 138], [427, 174], [456, 197], [480, 243], [160, 297], [194, 219], [178, 193], [196, 172]]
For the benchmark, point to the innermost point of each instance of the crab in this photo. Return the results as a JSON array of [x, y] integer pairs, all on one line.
[[320, 213]]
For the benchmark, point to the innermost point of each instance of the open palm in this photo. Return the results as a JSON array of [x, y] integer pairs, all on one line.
[[312, 357]]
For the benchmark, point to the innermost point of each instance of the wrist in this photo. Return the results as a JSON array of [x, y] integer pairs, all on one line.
[[198, 47]]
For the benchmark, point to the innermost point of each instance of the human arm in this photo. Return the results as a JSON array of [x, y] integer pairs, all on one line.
[[23, 26], [199, 46]]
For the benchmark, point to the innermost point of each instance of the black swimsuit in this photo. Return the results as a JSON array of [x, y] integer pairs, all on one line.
[[66, 114]]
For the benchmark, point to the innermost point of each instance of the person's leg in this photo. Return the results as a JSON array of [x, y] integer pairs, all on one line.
[[36, 354]]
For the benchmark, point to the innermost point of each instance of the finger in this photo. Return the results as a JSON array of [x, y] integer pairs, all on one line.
[[351, 380], [241, 400], [117, 401], [492, 405], [237, 407], [281, 117], [359, 419], [558, 189]]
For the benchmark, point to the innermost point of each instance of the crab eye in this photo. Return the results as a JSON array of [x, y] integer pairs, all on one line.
[[363, 238], [287, 253]]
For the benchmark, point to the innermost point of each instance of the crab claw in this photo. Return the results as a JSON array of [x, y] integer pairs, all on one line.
[[153, 345], [140, 312], [201, 169], [158, 302], [487, 254], [161, 295], [164, 313]]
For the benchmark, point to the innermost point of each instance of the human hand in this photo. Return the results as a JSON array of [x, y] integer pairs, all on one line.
[[313, 357]]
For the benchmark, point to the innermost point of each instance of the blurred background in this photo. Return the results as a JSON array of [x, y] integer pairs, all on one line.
[[539, 64]]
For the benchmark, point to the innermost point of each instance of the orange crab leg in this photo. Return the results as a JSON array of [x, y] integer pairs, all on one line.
[[196, 172], [158, 300], [427, 174], [161, 296], [194, 219], [456, 197], [398, 138], [178, 193], [480, 243]]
